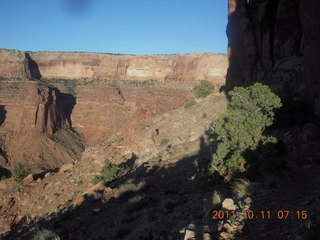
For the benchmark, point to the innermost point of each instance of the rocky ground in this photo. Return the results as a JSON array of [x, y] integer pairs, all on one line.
[[166, 195]]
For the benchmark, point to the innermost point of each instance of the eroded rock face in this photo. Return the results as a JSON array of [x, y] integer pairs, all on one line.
[[35, 126], [164, 68], [29, 108], [277, 43], [98, 95], [103, 110]]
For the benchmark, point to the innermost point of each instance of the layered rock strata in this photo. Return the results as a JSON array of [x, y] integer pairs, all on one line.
[[98, 95]]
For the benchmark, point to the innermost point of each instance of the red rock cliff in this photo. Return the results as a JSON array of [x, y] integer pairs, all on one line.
[[101, 93]]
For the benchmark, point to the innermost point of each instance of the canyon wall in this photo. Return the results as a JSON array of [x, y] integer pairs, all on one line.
[[163, 68], [98, 95], [30, 108], [277, 43]]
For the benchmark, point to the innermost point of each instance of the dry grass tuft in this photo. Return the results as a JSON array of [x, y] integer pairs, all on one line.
[[129, 187], [242, 187]]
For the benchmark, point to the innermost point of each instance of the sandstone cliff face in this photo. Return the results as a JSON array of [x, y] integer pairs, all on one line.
[[277, 43], [30, 108], [164, 68], [103, 110], [34, 126], [98, 95]]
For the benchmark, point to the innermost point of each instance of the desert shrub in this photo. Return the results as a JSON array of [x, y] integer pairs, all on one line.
[[204, 115], [136, 203], [129, 187], [20, 171], [155, 160], [249, 111], [204, 89], [45, 234], [242, 188], [189, 104], [96, 179], [164, 141], [108, 172]]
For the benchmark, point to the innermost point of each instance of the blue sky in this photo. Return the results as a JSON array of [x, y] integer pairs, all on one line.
[[114, 26]]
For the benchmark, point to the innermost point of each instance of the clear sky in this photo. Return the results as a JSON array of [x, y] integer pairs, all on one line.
[[114, 26]]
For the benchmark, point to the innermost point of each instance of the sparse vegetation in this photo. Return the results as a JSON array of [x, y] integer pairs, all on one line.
[[189, 104], [164, 141], [135, 204], [107, 173], [249, 112], [129, 187], [204, 89], [45, 234], [242, 188], [204, 115], [70, 84], [20, 171]]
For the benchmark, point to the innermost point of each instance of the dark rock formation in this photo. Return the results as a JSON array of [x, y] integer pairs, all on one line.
[[276, 42]]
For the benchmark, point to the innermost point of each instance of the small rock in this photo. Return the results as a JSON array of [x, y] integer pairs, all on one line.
[[190, 234], [228, 204], [239, 228], [48, 174], [207, 236], [226, 236], [28, 179], [248, 200], [66, 167], [96, 210], [229, 228]]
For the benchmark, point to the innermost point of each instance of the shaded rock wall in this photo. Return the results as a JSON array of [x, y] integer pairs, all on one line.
[[276, 42]]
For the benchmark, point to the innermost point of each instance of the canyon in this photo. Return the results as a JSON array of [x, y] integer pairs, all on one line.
[[91, 96]]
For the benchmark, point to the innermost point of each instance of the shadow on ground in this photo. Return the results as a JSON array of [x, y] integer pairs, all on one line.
[[171, 196]]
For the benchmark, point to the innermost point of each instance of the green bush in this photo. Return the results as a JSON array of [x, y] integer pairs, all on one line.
[[249, 111], [164, 141], [107, 173], [204, 89], [204, 115], [20, 171], [189, 104]]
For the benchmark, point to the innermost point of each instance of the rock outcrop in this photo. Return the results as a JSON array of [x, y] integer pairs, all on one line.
[[30, 108], [277, 43]]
